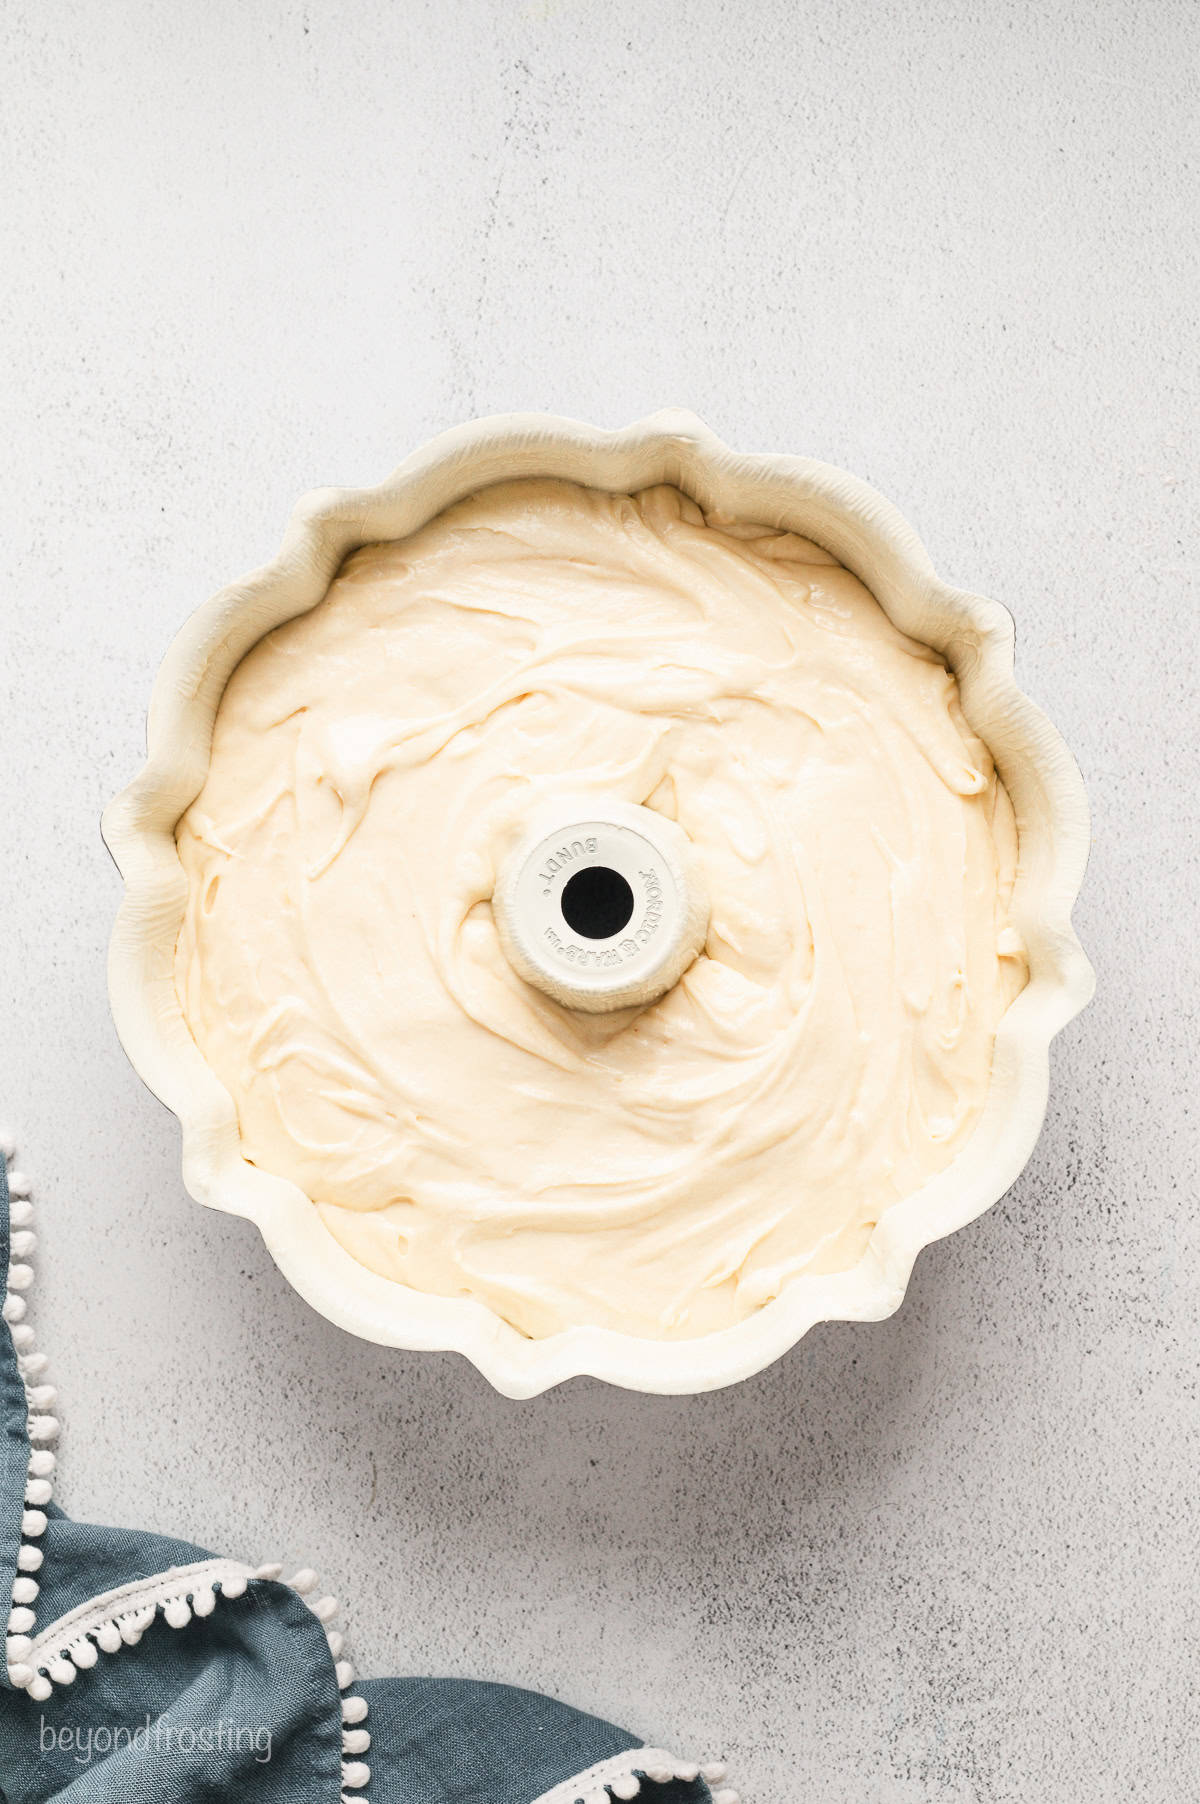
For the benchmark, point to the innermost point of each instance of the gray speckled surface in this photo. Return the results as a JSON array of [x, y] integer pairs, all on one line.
[[250, 250]]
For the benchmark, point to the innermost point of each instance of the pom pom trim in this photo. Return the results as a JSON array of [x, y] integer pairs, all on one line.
[[631, 1775], [41, 1424], [119, 1618], [37, 1662]]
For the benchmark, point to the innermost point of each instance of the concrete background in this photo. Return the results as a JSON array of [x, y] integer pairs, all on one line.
[[952, 247]]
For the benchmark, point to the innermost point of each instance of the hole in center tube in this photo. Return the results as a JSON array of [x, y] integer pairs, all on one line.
[[597, 902]]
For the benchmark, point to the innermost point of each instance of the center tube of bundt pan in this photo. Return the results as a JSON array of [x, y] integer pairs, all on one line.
[[602, 906]]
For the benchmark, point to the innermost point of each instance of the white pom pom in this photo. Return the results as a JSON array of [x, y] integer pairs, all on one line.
[[20, 1675], [14, 1309], [355, 1741], [42, 1396], [177, 1612], [19, 1183], [355, 1773], [268, 1572], [29, 1559], [205, 1601], [22, 1242], [22, 1336], [660, 1775], [336, 1640], [40, 1688], [37, 1491], [8, 1146], [61, 1671], [305, 1580], [325, 1610], [20, 1277], [687, 1770], [109, 1637], [25, 1590], [20, 1622], [354, 1710], [21, 1212], [43, 1428], [233, 1587], [42, 1463], [33, 1365], [344, 1674], [84, 1655], [33, 1523], [629, 1787], [714, 1771], [17, 1646]]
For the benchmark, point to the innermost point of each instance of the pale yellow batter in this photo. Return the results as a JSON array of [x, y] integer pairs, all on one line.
[[665, 1171]]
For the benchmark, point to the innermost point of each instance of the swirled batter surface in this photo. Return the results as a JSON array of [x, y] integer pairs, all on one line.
[[665, 1170]]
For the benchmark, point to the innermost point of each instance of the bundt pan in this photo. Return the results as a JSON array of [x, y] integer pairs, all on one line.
[[866, 534]]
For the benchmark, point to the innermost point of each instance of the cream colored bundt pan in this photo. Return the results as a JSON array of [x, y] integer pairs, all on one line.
[[868, 535]]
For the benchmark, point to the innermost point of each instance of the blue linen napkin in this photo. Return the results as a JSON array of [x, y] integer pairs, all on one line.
[[145, 1670]]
